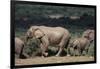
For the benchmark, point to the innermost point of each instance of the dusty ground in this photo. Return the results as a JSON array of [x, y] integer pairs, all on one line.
[[47, 60]]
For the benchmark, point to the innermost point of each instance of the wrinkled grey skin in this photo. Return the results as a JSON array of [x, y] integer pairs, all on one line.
[[56, 36], [19, 46], [89, 34]]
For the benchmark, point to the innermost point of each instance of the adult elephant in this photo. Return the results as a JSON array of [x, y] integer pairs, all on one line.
[[54, 36], [19, 46]]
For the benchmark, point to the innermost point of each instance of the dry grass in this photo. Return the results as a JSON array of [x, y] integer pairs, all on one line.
[[48, 60]]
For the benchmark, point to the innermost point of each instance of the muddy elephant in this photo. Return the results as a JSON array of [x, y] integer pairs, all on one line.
[[89, 34], [53, 36], [19, 46]]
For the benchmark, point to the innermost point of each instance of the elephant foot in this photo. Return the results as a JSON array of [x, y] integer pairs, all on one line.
[[44, 54], [68, 55], [26, 55], [57, 55]]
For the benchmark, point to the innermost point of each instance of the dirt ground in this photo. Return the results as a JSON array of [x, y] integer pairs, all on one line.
[[48, 60]]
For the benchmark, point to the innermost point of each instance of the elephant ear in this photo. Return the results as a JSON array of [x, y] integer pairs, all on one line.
[[38, 33], [91, 36]]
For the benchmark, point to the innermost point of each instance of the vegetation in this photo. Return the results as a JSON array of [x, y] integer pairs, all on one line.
[[28, 15], [45, 10]]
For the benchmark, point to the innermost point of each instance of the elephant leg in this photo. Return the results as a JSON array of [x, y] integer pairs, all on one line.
[[68, 51], [44, 45], [84, 53], [62, 45], [25, 55], [86, 49], [60, 49], [43, 49], [72, 51], [79, 51], [59, 52], [16, 55]]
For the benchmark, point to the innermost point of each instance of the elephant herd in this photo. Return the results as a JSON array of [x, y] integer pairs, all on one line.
[[55, 36]]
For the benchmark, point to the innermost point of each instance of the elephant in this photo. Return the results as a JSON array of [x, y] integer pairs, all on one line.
[[19, 46], [89, 34], [82, 43], [49, 36], [77, 46]]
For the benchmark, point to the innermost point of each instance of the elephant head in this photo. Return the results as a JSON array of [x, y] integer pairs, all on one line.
[[89, 34], [34, 32]]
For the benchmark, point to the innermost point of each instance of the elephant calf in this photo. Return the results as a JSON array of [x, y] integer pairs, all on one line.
[[54, 36], [19, 45], [81, 44], [78, 45]]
